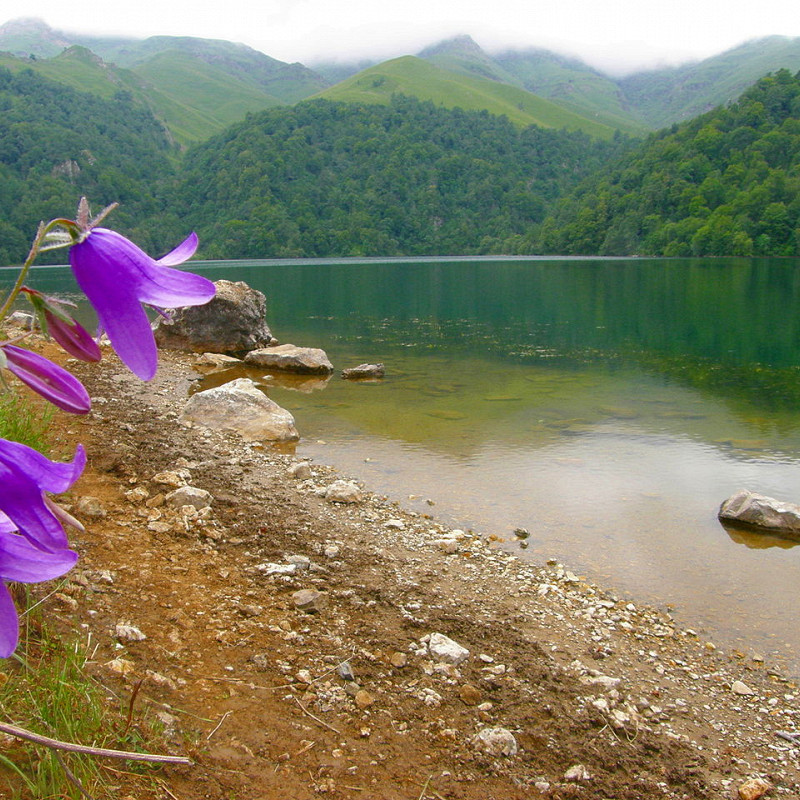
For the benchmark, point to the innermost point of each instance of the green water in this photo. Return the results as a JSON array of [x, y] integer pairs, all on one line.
[[608, 406]]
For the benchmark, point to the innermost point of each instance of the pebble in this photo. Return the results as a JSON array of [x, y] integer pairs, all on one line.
[[189, 496], [301, 470], [443, 648], [737, 687], [125, 632], [496, 742], [176, 478], [344, 492], [88, 506], [399, 660], [469, 694], [363, 699], [754, 788], [311, 601], [577, 773]]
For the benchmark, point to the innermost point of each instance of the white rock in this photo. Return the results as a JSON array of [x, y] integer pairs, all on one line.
[[126, 632], [577, 773], [277, 569], [442, 648], [343, 492], [241, 407], [447, 546], [301, 470], [737, 687], [395, 524], [189, 496], [496, 742]]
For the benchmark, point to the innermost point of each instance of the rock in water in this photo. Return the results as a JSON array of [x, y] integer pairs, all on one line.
[[291, 358], [232, 322], [364, 371], [241, 407], [760, 511]]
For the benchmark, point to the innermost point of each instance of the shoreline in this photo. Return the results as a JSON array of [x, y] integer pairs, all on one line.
[[577, 675]]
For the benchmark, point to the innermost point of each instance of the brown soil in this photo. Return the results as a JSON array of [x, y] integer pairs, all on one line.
[[253, 686]]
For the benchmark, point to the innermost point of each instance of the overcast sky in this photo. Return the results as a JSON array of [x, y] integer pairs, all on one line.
[[615, 35]]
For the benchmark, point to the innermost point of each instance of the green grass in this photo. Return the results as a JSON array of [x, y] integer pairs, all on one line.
[[46, 688], [425, 81], [25, 421]]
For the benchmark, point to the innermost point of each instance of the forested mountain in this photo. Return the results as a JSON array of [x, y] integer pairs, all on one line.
[[725, 183], [407, 178], [57, 144]]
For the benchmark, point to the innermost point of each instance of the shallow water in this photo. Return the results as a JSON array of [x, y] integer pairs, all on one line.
[[606, 406]]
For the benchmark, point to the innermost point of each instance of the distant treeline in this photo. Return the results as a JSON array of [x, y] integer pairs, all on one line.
[[325, 178]]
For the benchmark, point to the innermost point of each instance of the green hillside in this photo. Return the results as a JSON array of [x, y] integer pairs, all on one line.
[[573, 85], [725, 183], [415, 77], [661, 97], [79, 69], [196, 99], [406, 177], [57, 144]]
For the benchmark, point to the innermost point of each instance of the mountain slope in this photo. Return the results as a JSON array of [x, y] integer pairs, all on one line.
[[661, 97], [415, 77]]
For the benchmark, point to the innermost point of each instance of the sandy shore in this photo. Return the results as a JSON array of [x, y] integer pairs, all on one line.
[[292, 645]]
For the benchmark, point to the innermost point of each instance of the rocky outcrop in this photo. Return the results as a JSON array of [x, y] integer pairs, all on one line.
[[760, 511], [290, 358], [232, 322], [239, 406]]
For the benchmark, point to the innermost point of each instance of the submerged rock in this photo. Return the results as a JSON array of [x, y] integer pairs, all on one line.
[[760, 511], [241, 407], [364, 372]]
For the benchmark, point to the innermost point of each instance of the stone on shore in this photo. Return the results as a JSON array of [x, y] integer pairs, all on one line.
[[344, 492], [232, 322], [364, 372], [241, 407], [759, 511], [291, 358], [443, 649]]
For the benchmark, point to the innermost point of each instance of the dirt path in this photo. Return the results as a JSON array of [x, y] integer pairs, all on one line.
[[349, 697]]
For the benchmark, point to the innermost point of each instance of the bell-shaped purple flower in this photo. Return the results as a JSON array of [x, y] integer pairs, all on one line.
[[117, 277], [25, 476], [49, 380], [21, 561], [63, 327]]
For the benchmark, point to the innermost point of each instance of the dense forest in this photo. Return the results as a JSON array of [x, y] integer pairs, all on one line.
[[410, 178], [57, 144], [725, 183], [325, 178]]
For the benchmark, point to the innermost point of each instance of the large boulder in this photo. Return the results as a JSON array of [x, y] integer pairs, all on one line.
[[290, 358], [241, 407], [232, 322], [760, 511]]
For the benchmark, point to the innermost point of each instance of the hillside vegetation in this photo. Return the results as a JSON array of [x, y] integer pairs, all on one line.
[[57, 144], [417, 78], [405, 178], [726, 183]]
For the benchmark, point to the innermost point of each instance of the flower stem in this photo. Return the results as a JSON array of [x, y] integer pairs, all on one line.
[[41, 232], [56, 744]]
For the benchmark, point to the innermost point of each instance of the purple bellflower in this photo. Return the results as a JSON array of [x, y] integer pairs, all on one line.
[[25, 476], [71, 335], [21, 561], [49, 380], [117, 278]]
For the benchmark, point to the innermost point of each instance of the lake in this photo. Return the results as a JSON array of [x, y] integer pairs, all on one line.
[[606, 406]]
